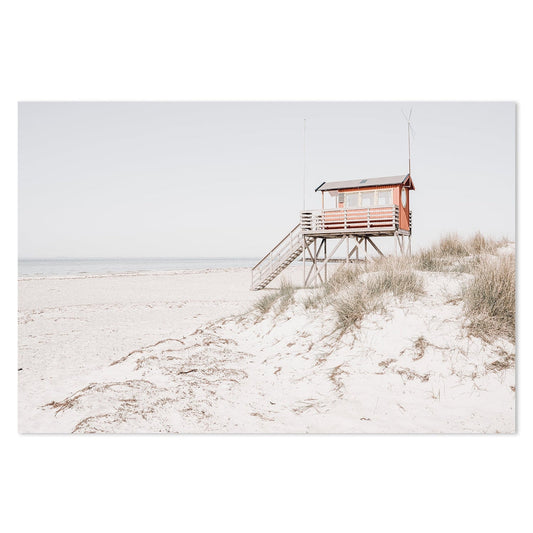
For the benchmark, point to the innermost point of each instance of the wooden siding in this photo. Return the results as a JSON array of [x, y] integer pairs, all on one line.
[[374, 217], [404, 211], [396, 199]]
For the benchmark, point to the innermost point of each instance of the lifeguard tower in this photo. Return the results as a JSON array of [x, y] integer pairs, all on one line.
[[365, 209]]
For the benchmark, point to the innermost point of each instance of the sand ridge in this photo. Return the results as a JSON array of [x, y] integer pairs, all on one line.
[[201, 361]]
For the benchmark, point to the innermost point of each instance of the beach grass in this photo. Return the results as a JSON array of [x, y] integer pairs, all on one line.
[[278, 299], [490, 298], [356, 290]]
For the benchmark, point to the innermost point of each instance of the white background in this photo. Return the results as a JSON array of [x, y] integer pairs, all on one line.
[[228, 50]]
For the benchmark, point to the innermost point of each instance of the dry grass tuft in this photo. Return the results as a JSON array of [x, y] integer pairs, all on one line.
[[428, 260], [452, 245], [398, 283], [397, 278], [316, 299], [265, 303], [285, 297], [453, 254], [351, 307], [479, 244], [490, 299], [343, 277]]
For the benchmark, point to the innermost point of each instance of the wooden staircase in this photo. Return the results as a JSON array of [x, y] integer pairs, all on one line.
[[278, 259]]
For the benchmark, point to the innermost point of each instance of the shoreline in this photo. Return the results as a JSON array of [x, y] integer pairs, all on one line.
[[88, 275]]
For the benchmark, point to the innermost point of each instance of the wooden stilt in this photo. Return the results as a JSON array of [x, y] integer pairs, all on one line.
[[314, 257], [323, 268], [352, 251], [303, 252], [325, 261], [347, 249], [375, 247]]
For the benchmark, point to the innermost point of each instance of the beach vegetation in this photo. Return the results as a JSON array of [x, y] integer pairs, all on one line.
[[393, 280], [352, 305], [356, 290], [265, 303], [285, 295], [280, 299], [489, 298]]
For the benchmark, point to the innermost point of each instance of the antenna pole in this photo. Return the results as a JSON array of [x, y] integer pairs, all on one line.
[[409, 143], [305, 120]]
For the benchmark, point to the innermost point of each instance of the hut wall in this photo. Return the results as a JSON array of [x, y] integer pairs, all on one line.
[[404, 211]]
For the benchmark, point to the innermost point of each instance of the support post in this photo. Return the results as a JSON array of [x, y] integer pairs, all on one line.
[[347, 249], [353, 249], [325, 265], [375, 247], [314, 250], [325, 262], [303, 237]]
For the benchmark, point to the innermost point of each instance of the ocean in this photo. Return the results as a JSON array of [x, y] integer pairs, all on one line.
[[89, 266]]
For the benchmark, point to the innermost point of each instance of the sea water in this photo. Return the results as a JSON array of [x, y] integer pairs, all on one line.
[[100, 266]]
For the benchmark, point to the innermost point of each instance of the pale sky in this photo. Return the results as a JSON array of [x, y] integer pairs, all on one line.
[[226, 179]]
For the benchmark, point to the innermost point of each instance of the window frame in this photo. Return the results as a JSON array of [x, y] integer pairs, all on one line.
[[359, 195], [403, 197]]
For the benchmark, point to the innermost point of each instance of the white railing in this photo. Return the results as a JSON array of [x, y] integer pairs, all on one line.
[[331, 220], [275, 258]]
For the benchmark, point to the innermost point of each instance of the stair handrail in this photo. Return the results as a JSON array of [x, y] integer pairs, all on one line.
[[282, 251], [276, 259], [280, 243]]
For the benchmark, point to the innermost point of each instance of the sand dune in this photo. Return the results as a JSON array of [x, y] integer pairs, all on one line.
[[185, 353]]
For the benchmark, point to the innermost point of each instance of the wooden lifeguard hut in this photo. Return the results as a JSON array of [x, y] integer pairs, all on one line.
[[365, 209]]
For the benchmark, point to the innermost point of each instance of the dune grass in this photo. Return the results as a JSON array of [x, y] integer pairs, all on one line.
[[265, 303], [286, 295], [489, 299], [355, 291], [428, 260], [451, 245], [282, 297], [479, 244], [352, 306], [453, 254], [343, 277], [398, 282]]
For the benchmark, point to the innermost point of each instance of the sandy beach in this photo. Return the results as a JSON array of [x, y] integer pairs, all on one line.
[[185, 352], [71, 329]]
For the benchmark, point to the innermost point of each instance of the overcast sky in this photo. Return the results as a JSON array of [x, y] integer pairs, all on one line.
[[226, 179]]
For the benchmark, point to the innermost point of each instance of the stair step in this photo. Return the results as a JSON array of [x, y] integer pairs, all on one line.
[[281, 264]]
